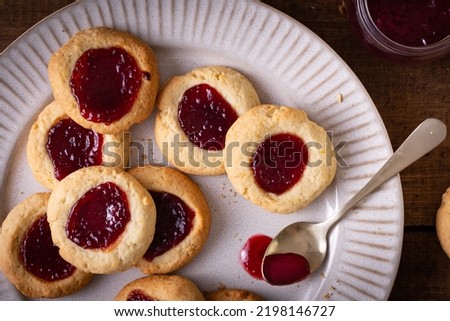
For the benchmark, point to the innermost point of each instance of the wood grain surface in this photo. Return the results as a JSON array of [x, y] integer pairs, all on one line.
[[404, 96]]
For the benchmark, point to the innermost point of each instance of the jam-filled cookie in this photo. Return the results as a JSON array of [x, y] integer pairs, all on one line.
[[102, 219], [232, 295], [195, 112], [28, 256], [443, 222], [182, 222], [58, 146], [107, 79], [283, 161], [160, 288]]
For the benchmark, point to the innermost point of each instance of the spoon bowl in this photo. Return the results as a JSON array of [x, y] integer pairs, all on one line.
[[307, 239], [301, 247]]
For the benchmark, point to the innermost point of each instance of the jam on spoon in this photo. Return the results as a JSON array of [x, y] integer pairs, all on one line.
[[279, 269], [285, 268]]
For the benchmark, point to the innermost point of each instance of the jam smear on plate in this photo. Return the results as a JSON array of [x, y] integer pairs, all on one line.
[[252, 254], [138, 295], [99, 217], [279, 162], [205, 116], [105, 82], [173, 223], [71, 147], [40, 255]]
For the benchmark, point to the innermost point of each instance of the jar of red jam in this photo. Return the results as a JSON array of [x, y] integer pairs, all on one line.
[[406, 31]]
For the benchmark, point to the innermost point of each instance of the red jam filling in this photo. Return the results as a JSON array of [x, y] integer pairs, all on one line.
[[40, 256], [279, 162], [99, 217], [412, 23], [71, 147], [105, 82], [173, 223], [138, 295], [252, 254], [279, 269], [205, 116], [285, 268]]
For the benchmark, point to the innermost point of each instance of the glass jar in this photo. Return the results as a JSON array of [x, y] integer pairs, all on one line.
[[405, 31]]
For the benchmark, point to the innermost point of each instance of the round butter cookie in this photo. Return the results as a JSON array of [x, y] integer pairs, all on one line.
[[107, 79], [280, 160], [58, 146], [182, 223], [443, 222], [160, 288], [28, 257], [195, 113], [232, 295], [102, 219]]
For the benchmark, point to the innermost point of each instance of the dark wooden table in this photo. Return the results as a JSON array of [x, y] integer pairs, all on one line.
[[404, 95]]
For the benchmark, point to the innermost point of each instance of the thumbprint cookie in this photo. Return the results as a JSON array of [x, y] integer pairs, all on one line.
[[232, 295], [160, 288], [443, 222], [283, 161], [195, 112], [182, 219], [107, 79], [58, 146], [28, 256], [102, 219]]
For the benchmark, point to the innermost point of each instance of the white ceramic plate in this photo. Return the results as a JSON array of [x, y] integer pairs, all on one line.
[[289, 65]]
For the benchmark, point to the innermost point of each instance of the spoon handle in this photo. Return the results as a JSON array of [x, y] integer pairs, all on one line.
[[429, 134]]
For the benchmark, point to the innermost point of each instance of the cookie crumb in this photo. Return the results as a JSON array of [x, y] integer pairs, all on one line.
[[342, 7]]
